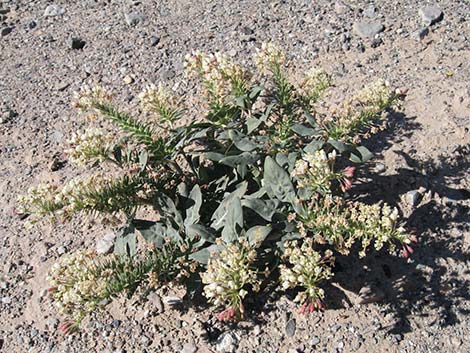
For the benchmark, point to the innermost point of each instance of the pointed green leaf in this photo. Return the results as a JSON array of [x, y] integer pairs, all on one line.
[[192, 213], [233, 221], [361, 155], [125, 243], [277, 181]]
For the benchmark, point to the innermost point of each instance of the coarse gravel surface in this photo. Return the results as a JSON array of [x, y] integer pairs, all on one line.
[[422, 304]]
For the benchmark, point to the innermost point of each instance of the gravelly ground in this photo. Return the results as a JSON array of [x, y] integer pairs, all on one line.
[[426, 149]]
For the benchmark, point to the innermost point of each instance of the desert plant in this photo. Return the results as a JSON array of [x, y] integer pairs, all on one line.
[[248, 189]]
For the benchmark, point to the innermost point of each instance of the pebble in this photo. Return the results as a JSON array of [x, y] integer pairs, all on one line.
[[133, 18], [128, 80], [431, 15], [413, 197], [370, 11], [227, 342], [76, 43], [341, 7], [189, 348], [106, 244], [61, 250], [6, 300], [5, 31], [54, 10], [154, 40], [420, 33], [370, 294], [290, 328], [314, 341], [379, 168], [368, 29]]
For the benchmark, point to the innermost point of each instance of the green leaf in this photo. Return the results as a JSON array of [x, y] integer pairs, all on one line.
[[169, 210], [265, 208], [314, 146], [202, 256], [361, 155], [339, 146], [152, 232], [192, 213], [246, 145], [206, 234], [303, 130], [233, 221], [218, 218], [257, 234], [125, 243], [255, 92], [277, 181]]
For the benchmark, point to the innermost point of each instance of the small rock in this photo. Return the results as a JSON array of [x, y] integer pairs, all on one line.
[[431, 15], [52, 323], [106, 244], [189, 348], [290, 328], [173, 301], [61, 250], [368, 29], [370, 11], [420, 33], [57, 136], [376, 42], [314, 341], [256, 330], [370, 294], [154, 40], [54, 10], [133, 18], [6, 31], [247, 31], [335, 328], [227, 342], [128, 80], [341, 7], [413, 197], [379, 168], [32, 24], [6, 300], [156, 301], [76, 43]]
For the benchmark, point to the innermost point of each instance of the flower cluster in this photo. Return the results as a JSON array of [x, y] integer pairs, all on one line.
[[77, 286], [227, 276], [269, 58], [39, 200], [338, 223], [220, 75], [315, 172], [315, 82], [353, 116], [159, 101], [306, 268], [90, 144], [88, 97]]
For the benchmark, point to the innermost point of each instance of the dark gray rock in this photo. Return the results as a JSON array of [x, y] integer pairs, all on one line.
[[76, 43], [6, 31], [420, 33], [290, 328], [431, 15], [368, 29]]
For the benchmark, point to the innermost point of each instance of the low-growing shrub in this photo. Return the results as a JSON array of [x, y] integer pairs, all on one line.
[[249, 192]]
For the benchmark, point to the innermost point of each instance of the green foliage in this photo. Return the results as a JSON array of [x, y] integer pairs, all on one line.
[[258, 169]]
